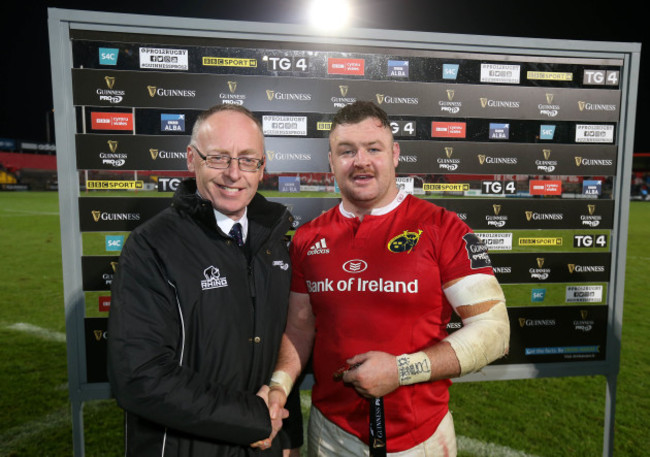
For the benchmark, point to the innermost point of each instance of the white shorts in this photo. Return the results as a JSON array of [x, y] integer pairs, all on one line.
[[325, 439]]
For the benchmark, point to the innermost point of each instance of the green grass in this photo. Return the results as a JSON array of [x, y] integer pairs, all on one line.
[[564, 416], [551, 417]]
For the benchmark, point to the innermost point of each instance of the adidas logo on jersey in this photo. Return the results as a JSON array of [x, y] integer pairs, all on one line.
[[319, 248]]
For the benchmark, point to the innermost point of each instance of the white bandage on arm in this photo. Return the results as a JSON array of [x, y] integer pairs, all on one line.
[[485, 336], [282, 379]]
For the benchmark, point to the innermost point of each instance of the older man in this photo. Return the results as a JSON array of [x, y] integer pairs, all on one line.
[[199, 303]]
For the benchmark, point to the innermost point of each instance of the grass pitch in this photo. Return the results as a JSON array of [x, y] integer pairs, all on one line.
[[552, 417]]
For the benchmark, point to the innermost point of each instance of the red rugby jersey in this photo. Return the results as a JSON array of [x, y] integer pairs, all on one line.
[[376, 285]]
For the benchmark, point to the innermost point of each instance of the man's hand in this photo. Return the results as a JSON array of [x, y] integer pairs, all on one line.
[[276, 413], [375, 376], [276, 401]]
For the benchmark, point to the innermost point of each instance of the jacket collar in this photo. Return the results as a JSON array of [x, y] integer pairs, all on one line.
[[260, 211]]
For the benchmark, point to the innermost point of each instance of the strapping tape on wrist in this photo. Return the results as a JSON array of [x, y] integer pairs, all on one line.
[[413, 368], [281, 379]]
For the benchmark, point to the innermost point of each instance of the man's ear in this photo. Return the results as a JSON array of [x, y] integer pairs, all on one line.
[[396, 152], [262, 168], [190, 159]]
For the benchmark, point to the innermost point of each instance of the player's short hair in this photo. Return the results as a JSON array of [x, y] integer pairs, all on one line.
[[359, 111]]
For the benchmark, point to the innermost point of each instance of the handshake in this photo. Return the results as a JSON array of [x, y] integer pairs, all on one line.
[[275, 396]]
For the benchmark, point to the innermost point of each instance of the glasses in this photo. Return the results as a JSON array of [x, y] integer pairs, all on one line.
[[221, 162]]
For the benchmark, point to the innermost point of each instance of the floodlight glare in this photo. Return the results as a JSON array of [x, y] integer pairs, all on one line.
[[329, 14]]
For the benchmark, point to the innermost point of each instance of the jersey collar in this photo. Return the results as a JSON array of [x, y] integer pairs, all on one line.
[[399, 198]]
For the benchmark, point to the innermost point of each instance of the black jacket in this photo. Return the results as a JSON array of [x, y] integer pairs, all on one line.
[[195, 327]]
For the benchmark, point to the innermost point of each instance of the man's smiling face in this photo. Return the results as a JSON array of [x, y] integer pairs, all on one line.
[[363, 158], [233, 134]]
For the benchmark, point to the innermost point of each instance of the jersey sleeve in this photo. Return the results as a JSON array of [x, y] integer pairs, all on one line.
[[462, 252]]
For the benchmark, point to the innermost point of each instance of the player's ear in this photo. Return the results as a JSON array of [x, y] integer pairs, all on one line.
[[396, 152]]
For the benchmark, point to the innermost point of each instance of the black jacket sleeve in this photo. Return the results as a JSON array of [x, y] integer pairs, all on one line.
[[145, 359]]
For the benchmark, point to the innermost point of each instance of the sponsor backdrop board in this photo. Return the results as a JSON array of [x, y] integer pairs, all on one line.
[[529, 144]]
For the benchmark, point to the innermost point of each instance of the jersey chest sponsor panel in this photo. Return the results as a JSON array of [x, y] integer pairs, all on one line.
[[357, 279], [376, 285], [382, 276]]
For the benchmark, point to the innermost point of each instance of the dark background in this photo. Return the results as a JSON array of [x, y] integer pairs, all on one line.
[[26, 87]]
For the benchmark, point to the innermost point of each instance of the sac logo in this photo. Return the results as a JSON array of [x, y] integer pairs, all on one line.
[[108, 56]]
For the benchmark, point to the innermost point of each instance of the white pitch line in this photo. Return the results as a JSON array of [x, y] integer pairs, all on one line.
[[32, 431], [22, 212], [636, 257], [40, 332], [482, 449]]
